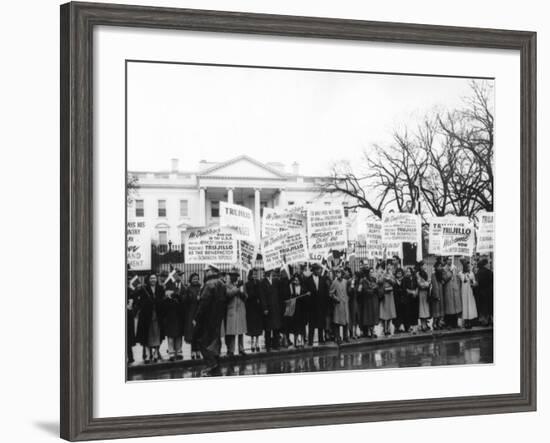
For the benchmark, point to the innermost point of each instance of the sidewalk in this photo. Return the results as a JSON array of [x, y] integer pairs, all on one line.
[[140, 367]]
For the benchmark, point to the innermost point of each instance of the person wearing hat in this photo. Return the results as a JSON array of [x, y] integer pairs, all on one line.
[[484, 279], [132, 292], [452, 298], [340, 316], [370, 302], [467, 282], [190, 304], [423, 290], [208, 319], [150, 332], [235, 318], [437, 307], [173, 316], [272, 308], [254, 314], [318, 286]]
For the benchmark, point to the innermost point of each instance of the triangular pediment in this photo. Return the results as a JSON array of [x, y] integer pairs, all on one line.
[[242, 166]]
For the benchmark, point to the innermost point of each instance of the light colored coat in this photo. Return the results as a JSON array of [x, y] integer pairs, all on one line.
[[339, 292], [235, 318], [451, 292], [469, 308]]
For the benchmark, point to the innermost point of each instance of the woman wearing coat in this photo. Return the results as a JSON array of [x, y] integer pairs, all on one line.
[[468, 281], [235, 317], [423, 291], [149, 330], [173, 317], [254, 318], [340, 315], [353, 304], [370, 303], [190, 304], [410, 284], [387, 303], [437, 307], [451, 294], [272, 309], [131, 296], [296, 310]]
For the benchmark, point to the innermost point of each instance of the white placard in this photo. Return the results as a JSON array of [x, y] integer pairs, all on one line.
[[373, 239], [485, 233], [284, 248], [210, 245], [247, 254], [435, 227], [457, 237], [279, 220], [326, 230], [239, 219], [138, 245]]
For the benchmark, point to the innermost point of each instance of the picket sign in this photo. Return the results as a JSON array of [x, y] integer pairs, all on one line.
[[284, 248], [485, 233], [138, 245], [452, 236], [238, 219], [210, 245]]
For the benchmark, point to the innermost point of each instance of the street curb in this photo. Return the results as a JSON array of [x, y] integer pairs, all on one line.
[[369, 342]]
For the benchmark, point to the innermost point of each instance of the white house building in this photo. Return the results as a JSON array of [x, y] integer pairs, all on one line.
[[172, 201]]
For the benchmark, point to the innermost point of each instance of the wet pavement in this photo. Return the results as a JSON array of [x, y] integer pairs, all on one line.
[[472, 348]]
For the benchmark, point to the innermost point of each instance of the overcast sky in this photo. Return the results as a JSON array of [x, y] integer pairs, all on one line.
[[314, 118]]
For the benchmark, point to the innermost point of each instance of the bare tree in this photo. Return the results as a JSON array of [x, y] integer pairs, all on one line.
[[445, 164]]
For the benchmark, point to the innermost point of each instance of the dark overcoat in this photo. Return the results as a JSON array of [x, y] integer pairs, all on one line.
[[369, 302], [147, 304], [485, 292], [190, 305], [210, 314], [318, 302], [272, 303], [254, 315], [131, 295], [173, 311]]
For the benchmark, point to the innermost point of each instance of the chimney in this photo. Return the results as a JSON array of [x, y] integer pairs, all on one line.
[[296, 168], [174, 165]]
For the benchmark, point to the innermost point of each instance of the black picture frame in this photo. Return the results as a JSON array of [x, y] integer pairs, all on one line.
[[77, 23]]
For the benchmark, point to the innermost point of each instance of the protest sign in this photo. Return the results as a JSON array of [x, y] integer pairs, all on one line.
[[326, 230], [434, 232], [284, 248], [239, 219], [210, 245], [280, 220], [138, 245], [457, 237], [399, 228], [485, 233], [373, 239], [247, 254]]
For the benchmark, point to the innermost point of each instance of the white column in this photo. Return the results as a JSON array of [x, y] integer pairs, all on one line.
[[282, 197], [257, 218], [230, 195], [202, 206]]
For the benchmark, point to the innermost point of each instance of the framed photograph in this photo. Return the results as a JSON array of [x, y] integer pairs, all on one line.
[[272, 221]]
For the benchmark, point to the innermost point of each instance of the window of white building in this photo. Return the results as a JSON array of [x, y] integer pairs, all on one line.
[[291, 203], [140, 209], [163, 238], [262, 206], [215, 209], [184, 208], [162, 208]]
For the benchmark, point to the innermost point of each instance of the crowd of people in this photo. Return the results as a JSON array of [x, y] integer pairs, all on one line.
[[292, 307]]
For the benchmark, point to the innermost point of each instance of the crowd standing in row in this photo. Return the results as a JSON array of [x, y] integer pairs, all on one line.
[[290, 308]]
